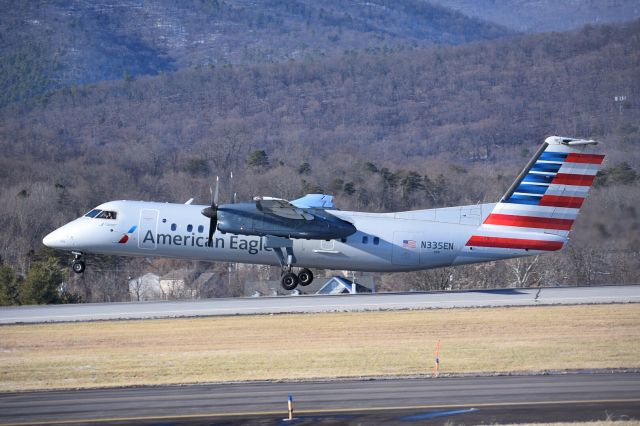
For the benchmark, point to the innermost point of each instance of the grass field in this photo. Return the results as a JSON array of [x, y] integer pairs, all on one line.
[[119, 353], [601, 423]]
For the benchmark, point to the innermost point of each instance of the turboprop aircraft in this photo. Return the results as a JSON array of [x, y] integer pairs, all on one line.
[[534, 216]]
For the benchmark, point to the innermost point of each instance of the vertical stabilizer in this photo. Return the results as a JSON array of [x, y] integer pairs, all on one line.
[[539, 209]]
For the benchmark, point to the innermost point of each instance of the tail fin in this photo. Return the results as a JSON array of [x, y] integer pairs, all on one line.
[[538, 210]]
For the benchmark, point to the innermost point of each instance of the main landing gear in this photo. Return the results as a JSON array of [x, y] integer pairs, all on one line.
[[283, 249], [78, 264], [290, 280]]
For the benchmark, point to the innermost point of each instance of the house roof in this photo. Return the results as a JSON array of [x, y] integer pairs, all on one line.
[[206, 278], [176, 274], [338, 285]]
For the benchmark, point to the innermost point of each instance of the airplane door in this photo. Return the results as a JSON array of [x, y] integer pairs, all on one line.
[[406, 248], [148, 223]]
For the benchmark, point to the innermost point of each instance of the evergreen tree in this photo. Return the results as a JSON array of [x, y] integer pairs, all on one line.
[[258, 158], [8, 283], [349, 188], [197, 166], [621, 173], [42, 284], [304, 169], [412, 182]]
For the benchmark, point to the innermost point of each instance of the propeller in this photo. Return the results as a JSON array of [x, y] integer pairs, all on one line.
[[231, 184], [212, 213]]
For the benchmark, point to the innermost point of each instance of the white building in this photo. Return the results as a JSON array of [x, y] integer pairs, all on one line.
[[145, 287]]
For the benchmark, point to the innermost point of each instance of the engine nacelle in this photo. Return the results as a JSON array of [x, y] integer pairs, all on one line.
[[247, 219]]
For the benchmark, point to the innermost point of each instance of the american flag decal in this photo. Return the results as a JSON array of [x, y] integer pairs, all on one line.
[[409, 244]]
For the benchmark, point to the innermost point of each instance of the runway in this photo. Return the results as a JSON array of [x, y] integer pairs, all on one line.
[[563, 397], [313, 303]]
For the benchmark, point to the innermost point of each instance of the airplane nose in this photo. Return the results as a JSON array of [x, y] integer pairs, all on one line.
[[47, 240], [56, 239]]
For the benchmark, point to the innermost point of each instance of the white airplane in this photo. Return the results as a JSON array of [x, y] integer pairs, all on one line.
[[533, 217]]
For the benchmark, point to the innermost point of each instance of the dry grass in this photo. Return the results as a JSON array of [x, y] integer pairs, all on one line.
[[599, 423], [317, 345]]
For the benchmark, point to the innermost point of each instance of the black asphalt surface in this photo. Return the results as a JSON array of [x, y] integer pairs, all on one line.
[[313, 303], [453, 400]]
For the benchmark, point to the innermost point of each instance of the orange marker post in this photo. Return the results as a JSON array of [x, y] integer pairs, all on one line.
[[436, 367]]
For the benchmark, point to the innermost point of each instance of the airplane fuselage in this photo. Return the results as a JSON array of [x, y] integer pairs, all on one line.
[[384, 242]]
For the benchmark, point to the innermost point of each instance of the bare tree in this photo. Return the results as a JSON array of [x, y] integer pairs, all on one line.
[[524, 271], [431, 279]]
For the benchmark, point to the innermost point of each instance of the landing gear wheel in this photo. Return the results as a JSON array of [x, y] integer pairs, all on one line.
[[289, 281], [305, 276], [78, 266]]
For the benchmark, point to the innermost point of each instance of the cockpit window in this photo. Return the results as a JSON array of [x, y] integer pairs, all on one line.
[[106, 214], [93, 213]]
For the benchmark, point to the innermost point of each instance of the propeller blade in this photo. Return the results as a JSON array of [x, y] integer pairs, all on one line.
[[212, 229], [215, 194], [212, 212]]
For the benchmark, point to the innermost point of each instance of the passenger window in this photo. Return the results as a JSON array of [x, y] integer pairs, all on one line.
[[93, 213], [107, 215], [189, 228], [365, 240], [200, 229], [376, 241], [174, 226]]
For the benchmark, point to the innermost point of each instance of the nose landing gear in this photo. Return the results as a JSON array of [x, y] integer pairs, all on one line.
[[78, 264]]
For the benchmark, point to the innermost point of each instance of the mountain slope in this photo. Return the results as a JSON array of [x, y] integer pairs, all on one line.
[[465, 103], [546, 15], [82, 41]]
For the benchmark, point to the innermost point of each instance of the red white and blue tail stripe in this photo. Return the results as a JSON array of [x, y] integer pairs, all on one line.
[[539, 209]]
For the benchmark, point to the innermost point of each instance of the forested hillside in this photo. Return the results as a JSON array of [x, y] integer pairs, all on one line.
[[382, 131], [536, 16], [50, 44]]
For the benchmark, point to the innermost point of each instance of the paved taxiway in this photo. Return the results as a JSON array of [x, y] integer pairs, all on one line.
[[478, 399], [313, 303]]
